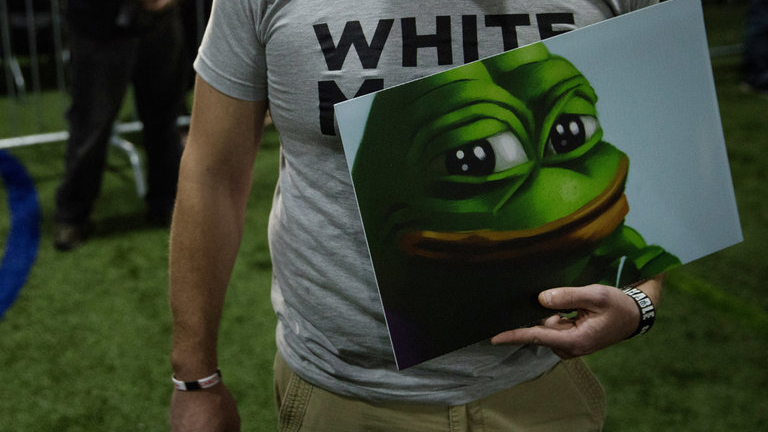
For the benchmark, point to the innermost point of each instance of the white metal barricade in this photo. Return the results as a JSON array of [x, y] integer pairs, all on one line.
[[32, 35]]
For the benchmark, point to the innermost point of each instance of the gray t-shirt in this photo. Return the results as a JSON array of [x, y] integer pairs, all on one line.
[[305, 55]]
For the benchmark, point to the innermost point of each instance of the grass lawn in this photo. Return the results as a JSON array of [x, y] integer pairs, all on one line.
[[85, 346], [704, 365]]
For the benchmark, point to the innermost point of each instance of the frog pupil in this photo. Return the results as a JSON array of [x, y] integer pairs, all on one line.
[[567, 133], [475, 158]]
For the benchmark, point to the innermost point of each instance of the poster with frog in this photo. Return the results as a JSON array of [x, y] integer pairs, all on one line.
[[596, 156]]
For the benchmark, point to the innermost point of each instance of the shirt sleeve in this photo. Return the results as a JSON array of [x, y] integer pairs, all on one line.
[[639, 4], [231, 57], [623, 6]]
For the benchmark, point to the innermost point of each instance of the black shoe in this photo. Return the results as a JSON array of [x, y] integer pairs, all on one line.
[[69, 236]]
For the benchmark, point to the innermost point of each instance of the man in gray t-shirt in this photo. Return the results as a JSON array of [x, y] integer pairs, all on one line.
[[298, 58]]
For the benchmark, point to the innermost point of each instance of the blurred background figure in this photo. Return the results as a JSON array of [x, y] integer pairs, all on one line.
[[194, 17], [756, 47], [116, 43]]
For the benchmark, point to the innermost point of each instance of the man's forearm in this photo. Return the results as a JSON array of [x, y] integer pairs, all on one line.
[[205, 237], [214, 183], [652, 287]]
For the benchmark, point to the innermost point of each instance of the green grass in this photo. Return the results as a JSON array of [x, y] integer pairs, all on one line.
[[43, 113], [703, 367], [85, 347]]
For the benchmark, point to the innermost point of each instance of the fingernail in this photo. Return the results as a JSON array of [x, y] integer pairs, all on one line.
[[547, 298]]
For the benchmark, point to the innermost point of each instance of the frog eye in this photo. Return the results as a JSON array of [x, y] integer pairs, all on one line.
[[487, 156], [570, 132]]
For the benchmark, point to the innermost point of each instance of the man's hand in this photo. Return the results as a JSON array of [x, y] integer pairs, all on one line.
[[156, 5], [605, 316], [209, 410]]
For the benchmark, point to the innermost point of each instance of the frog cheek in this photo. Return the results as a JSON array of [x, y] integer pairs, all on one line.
[[577, 230]]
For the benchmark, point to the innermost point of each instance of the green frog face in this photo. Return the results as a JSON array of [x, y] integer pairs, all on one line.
[[497, 160], [481, 186]]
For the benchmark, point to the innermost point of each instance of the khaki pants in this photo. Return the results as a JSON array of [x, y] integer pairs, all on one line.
[[567, 398]]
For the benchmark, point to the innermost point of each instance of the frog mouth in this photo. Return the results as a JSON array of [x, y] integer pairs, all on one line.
[[578, 231]]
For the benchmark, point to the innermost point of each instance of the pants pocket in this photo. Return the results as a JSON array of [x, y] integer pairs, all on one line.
[[292, 395], [590, 388]]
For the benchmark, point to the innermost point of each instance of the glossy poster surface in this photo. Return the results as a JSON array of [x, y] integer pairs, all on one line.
[[596, 156]]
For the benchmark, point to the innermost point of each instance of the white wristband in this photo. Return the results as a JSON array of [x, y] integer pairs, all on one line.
[[200, 384]]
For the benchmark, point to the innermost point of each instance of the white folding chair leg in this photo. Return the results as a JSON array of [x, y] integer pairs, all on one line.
[[135, 159]]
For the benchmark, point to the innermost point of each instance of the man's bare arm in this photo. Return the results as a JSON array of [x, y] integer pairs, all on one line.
[[214, 184]]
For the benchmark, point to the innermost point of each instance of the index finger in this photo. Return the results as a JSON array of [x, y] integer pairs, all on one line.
[[538, 335]]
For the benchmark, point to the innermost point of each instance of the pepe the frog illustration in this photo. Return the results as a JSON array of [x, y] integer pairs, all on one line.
[[480, 187]]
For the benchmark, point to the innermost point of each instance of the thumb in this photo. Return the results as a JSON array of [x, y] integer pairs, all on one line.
[[570, 298]]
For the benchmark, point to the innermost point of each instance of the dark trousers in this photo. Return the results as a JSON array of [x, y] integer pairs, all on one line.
[[101, 73], [756, 44]]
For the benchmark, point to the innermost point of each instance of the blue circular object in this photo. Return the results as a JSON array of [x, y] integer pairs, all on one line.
[[24, 237]]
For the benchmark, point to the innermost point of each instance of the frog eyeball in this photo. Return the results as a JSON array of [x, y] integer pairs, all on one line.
[[570, 132], [487, 156]]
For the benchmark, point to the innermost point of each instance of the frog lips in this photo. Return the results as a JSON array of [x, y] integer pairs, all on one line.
[[580, 230]]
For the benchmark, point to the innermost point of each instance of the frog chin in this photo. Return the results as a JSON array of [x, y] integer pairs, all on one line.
[[578, 231]]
